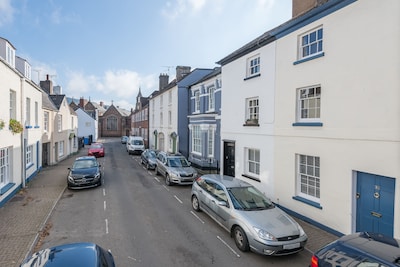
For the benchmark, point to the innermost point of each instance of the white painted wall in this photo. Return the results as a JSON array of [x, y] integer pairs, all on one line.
[[233, 114], [360, 109]]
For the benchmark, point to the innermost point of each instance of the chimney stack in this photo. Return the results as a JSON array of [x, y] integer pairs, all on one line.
[[300, 7], [163, 81], [82, 102], [47, 85], [181, 72]]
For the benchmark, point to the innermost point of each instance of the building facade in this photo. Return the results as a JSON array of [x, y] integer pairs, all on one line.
[[205, 122]]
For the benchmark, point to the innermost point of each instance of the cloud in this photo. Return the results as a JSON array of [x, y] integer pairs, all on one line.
[[119, 86], [6, 12], [173, 10]]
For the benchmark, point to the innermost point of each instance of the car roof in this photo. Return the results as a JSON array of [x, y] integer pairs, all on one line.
[[86, 158], [227, 181], [73, 254], [371, 244]]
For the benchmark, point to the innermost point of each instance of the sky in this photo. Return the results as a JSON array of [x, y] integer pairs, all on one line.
[[105, 50]]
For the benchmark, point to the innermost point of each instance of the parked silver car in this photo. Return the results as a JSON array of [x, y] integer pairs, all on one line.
[[175, 168], [253, 220]]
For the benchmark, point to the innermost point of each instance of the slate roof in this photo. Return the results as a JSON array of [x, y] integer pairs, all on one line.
[[47, 103], [57, 100]]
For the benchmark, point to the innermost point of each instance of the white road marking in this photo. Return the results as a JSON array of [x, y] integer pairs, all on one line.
[[198, 218], [180, 201], [158, 180], [105, 205], [106, 226], [226, 244], [104, 192], [166, 188]]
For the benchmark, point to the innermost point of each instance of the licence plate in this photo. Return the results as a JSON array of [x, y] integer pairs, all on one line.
[[291, 246]]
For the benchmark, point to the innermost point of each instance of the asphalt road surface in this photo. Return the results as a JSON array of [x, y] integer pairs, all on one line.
[[143, 222]]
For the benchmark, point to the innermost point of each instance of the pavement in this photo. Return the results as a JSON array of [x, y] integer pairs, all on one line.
[[23, 219]]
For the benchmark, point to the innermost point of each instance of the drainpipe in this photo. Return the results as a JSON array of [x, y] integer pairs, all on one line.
[[23, 140]]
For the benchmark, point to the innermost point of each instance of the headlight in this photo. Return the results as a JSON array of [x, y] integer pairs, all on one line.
[[97, 176], [301, 231], [264, 234], [70, 178], [174, 174]]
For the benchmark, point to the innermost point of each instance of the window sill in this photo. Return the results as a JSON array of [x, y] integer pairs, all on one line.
[[28, 166], [251, 77], [251, 177], [37, 126], [308, 202], [251, 123], [309, 58], [311, 124], [28, 127], [5, 188]]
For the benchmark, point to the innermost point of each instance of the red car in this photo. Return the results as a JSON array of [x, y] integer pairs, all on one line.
[[96, 149]]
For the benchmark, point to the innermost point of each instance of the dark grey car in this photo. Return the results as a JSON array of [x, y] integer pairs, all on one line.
[[253, 220], [149, 159], [84, 173]]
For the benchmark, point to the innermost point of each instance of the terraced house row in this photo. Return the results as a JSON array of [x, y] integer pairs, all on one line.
[[37, 125], [309, 112]]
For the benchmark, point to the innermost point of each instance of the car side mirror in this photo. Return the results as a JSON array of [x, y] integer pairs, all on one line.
[[222, 203], [69, 168]]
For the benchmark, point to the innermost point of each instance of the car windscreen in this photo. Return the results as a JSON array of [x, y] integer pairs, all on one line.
[[152, 154], [96, 146], [83, 164], [249, 198], [138, 142], [178, 162]]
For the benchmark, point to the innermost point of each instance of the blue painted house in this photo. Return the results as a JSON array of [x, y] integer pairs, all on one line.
[[205, 121]]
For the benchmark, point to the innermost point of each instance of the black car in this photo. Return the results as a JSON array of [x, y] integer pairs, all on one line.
[[360, 249], [149, 158], [84, 173], [74, 254]]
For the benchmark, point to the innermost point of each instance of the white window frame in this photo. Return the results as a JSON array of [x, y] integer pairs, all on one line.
[[196, 139], [13, 104], [311, 43], [252, 158], [36, 113], [210, 142], [28, 111], [252, 108], [29, 155], [308, 179], [169, 118], [59, 123], [10, 55], [46, 121], [197, 101], [4, 166], [253, 66], [61, 148], [211, 98], [309, 104]]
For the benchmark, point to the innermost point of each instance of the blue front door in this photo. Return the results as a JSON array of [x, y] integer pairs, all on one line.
[[375, 203]]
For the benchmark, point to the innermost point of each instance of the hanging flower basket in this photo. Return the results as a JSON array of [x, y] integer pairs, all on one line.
[[1, 124], [15, 126]]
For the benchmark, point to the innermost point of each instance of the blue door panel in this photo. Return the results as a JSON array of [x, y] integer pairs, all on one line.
[[375, 203]]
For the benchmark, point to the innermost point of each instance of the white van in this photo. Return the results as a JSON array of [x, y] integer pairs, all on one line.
[[135, 144]]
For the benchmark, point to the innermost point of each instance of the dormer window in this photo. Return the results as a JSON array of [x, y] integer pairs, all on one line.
[[10, 55]]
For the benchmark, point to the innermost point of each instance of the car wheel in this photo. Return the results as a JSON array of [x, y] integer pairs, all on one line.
[[241, 239], [147, 166], [156, 170], [195, 203], [168, 180]]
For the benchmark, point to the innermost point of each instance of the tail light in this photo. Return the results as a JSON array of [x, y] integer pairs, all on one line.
[[314, 261]]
